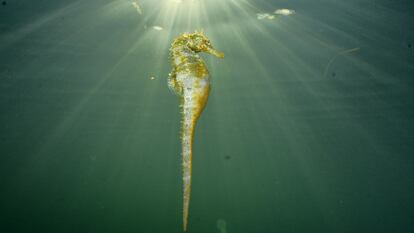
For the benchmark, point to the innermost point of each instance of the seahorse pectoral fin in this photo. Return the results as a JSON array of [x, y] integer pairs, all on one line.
[[173, 85]]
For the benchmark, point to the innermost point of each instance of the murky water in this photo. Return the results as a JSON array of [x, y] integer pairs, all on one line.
[[308, 128]]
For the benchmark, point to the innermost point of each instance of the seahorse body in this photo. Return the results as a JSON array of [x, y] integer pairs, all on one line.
[[190, 80]]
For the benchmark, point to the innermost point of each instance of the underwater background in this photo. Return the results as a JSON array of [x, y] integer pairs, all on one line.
[[309, 125]]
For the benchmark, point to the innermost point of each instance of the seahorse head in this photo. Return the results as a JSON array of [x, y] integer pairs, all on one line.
[[198, 42]]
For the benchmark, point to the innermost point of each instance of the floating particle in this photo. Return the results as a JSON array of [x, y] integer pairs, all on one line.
[[261, 16], [158, 28], [341, 53], [227, 157], [409, 45], [284, 12], [333, 74], [152, 78], [3, 3], [136, 5]]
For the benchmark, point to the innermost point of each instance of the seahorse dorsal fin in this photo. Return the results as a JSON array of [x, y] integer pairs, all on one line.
[[185, 34]]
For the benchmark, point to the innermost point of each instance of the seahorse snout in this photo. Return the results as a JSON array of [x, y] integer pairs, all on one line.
[[215, 52]]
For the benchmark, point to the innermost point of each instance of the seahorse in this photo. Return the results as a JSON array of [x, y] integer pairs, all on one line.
[[190, 80]]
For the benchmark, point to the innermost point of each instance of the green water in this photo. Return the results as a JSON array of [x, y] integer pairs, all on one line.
[[309, 125]]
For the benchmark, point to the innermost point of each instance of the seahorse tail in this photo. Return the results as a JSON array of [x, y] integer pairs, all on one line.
[[188, 126]]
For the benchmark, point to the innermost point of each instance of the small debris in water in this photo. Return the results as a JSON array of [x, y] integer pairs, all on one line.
[[3, 3], [333, 74], [284, 12], [227, 157], [158, 28], [341, 53], [152, 78], [136, 5], [409, 45], [277, 12], [261, 16]]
